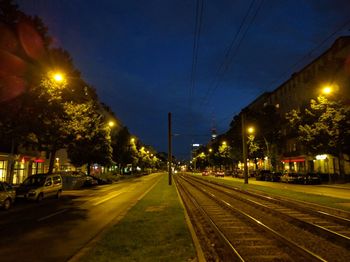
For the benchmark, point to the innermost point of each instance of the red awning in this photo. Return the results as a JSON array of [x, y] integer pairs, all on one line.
[[295, 159]]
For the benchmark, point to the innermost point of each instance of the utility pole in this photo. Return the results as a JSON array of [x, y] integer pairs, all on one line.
[[244, 147], [169, 147]]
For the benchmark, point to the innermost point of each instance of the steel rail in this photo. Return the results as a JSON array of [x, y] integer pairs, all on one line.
[[313, 228], [302, 250], [211, 222]]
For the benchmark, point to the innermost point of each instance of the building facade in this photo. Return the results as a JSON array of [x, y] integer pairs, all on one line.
[[29, 163], [332, 68]]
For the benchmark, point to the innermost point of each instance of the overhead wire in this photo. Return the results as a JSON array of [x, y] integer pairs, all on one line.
[[228, 58], [195, 48]]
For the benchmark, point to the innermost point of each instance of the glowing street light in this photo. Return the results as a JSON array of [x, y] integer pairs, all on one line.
[[327, 90], [58, 77], [111, 123], [251, 130]]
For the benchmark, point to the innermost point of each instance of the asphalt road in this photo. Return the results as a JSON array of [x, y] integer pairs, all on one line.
[[57, 230]]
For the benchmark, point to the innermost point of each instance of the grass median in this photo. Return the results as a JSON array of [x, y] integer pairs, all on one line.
[[329, 201], [153, 230]]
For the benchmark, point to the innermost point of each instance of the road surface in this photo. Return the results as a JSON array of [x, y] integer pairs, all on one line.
[[56, 230]]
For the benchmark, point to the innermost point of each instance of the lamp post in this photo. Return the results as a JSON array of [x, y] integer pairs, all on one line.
[[209, 155], [132, 142], [245, 130], [244, 149]]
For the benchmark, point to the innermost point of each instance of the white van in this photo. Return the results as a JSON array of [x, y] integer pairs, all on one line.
[[40, 186]]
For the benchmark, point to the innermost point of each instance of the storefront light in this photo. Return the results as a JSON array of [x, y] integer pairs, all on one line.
[[321, 157]]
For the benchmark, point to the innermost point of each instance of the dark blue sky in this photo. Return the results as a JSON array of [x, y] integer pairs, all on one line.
[[138, 55]]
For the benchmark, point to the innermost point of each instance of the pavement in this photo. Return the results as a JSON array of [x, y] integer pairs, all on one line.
[[330, 190]]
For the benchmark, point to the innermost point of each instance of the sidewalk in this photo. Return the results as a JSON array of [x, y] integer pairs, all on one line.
[[323, 190]]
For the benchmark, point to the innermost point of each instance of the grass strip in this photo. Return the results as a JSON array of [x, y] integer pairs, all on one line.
[[153, 230], [328, 201]]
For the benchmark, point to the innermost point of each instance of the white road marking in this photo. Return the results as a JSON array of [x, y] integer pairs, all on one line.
[[107, 198], [51, 215]]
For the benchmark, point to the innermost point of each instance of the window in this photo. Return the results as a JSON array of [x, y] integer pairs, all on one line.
[[2, 170], [56, 180], [48, 181]]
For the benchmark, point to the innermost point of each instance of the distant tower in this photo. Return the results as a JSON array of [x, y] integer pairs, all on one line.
[[213, 130]]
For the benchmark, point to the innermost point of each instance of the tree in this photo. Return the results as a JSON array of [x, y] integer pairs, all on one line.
[[90, 140], [122, 148], [254, 150], [324, 127], [223, 154]]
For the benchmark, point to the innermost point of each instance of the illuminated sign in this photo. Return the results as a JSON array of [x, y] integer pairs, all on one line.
[[321, 157]]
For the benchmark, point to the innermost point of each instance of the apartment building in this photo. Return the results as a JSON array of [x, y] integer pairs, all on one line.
[[332, 68]]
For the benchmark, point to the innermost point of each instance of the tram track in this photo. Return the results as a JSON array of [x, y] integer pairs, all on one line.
[[332, 227], [244, 236], [264, 209]]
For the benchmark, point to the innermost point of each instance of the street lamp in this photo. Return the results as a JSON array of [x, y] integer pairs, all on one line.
[[245, 130], [209, 154], [327, 90], [251, 130], [111, 123], [58, 77]]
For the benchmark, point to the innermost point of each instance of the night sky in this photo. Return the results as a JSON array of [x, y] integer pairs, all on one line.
[[138, 54]]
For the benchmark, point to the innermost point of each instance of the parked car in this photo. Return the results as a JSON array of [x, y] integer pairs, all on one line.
[[90, 181], [273, 176], [40, 186], [7, 195], [291, 178], [229, 173], [72, 179], [239, 173], [206, 173], [219, 173], [261, 175], [312, 179]]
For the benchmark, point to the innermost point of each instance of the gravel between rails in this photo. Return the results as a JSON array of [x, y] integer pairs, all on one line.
[[326, 249]]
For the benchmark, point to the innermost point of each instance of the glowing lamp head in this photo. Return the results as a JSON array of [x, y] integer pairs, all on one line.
[[58, 77], [327, 90], [111, 123], [250, 130]]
